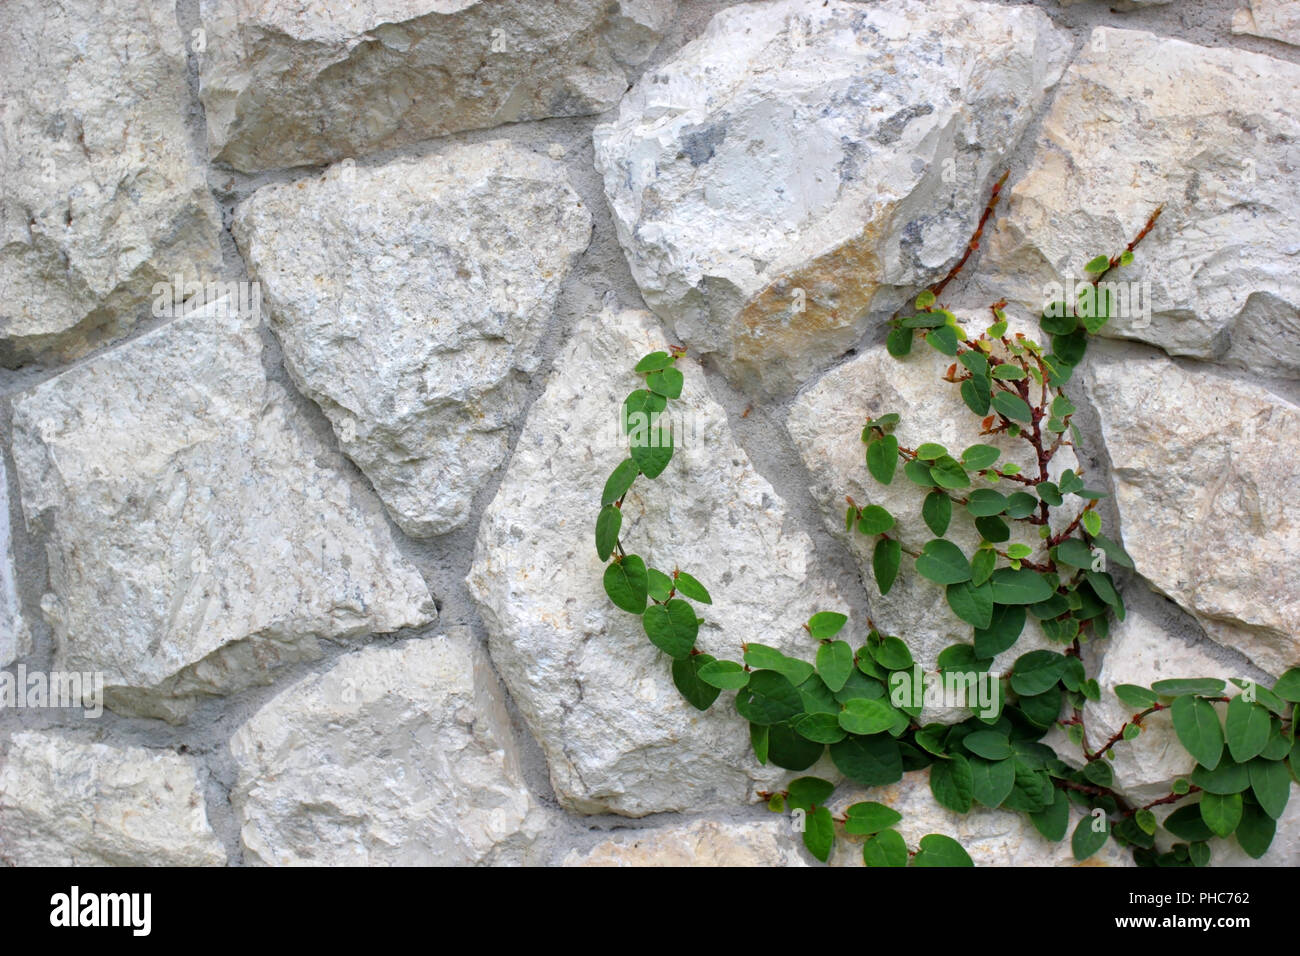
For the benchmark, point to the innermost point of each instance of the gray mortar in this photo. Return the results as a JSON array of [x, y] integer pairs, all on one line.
[[602, 270]]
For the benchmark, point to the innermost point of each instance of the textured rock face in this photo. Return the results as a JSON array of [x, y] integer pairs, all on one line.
[[698, 843], [596, 693], [1139, 122], [1274, 19], [15, 638], [68, 802], [1209, 497], [826, 422], [803, 164], [100, 193], [313, 82], [198, 532], [396, 755], [415, 357], [991, 837]]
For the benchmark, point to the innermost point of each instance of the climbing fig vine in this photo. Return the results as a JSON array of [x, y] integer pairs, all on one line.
[[1041, 556]]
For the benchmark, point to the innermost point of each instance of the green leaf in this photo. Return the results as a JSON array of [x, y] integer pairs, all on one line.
[[804, 793], [725, 675], [653, 454], [1114, 553], [930, 320], [861, 716], [1020, 586], [939, 850], [826, 624], [687, 586], [1091, 522], [1288, 685], [892, 653], [982, 565], [1098, 772], [984, 502], [666, 382], [979, 457], [686, 675], [1186, 824], [1271, 785], [1037, 672], [972, 604], [819, 833], [937, 511], [1007, 623], [640, 409], [947, 472], [875, 520], [930, 451], [654, 362], [1021, 505], [1049, 492], [943, 338], [1097, 265], [943, 562], [1054, 820], [885, 561], [619, 481], [1246, 729], [1146, 821], [835, 664], [992, 780], [790, 750], [1009, 373], [671, 627], [899, 342], [762, 657], [952, 784], [1255, 831], [1013, 407], [608, 524], [1090, 835], [870, 761], [988, 744], [769, 698], [1139, 698], [918, 473], [1221, 812], [759, 740], [866, 818], [1074, 552], [882, 458], [661, 585], [820, 728], [993, 529], [886, 848], [1203, 686], [1197, 727], [925, 299], [975, 393], [628, 584]]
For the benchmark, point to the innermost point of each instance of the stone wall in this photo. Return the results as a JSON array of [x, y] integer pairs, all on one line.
[[327, 537]]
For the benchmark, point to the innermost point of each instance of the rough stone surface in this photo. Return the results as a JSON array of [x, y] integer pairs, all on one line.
[[991, 837], [15, 636], [596, 693], [398, 755], [418, 356], [314, 82], [1141, 121], [65, 801], [839, 149], [198, 533], [698, 843], [1274, 19], [1209, 497], [826, 421], [101, 194]]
